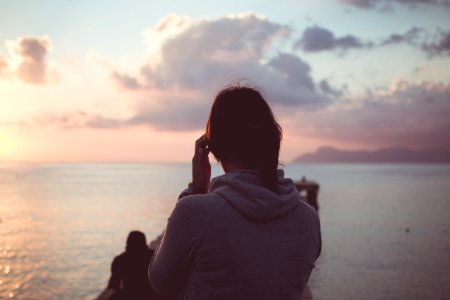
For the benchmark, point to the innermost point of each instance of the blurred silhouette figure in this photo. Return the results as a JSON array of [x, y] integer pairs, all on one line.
[[129, 270]]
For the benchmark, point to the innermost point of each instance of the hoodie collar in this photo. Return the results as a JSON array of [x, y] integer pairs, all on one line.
[[246, 193]]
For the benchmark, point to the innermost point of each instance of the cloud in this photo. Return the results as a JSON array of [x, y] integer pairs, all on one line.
[[360, 3], [316, 39], [407, 114], [387, 4], [203, 52], [329, 90], [202, 56], [126, 81], [409, 37], [72, 120], [433, 44], [295, 70], [182, 116], [3, 64], [439, 47], [174, 88], [190, 60], [31, 53]]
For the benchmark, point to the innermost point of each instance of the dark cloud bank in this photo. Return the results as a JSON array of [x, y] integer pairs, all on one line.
[[387, 4], [315, 39], [319, 39]]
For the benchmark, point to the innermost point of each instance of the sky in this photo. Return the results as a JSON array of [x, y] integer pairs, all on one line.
[[131, 81]]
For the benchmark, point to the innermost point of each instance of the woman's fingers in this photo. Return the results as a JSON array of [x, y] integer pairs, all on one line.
[[201, 143], [201, 168]]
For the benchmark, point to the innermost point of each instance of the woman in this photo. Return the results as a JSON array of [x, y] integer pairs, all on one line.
[[245, 234]]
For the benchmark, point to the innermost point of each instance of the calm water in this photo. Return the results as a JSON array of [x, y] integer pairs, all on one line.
[[386, 228]]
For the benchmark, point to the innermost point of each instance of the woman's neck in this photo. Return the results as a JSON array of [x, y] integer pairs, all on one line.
[[232, 165]]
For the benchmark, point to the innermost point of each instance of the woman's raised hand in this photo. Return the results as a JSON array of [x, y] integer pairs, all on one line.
[[201, 168]]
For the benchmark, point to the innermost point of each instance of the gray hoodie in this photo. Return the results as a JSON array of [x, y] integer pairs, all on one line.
[[238, 241]]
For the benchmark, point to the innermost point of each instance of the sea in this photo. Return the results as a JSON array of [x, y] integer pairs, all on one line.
[[385, 227]]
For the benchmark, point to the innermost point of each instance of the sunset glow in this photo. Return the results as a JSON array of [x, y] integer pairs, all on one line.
[[104, 85], [6, 145]]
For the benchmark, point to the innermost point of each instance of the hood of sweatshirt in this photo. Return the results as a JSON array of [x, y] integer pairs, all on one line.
[[246, 193]]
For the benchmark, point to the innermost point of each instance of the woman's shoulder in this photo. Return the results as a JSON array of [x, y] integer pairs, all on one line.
[[197, 211], [208, 201]]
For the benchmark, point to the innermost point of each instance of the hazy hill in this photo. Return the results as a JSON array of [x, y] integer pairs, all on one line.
[[385, 155]]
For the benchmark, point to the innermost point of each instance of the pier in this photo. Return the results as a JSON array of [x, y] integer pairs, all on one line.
[[309, 189]]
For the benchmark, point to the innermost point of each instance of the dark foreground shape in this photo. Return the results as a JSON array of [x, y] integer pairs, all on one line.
[[129, 279]]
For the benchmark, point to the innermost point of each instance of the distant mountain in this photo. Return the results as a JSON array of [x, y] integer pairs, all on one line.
[[385, 155]]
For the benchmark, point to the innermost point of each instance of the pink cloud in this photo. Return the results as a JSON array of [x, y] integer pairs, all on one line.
[[408, 114], [74, 120], [3, 64], [32, 56]]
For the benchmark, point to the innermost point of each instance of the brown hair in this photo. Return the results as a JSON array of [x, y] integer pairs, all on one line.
[[241, 126]]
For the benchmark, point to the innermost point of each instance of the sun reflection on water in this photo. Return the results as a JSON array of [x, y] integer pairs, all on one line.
[[56, 242]]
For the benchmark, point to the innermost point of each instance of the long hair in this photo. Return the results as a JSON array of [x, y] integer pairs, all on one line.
[[242, 127]]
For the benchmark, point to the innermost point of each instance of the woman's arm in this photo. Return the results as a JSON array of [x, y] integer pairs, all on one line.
[[174, 258]]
